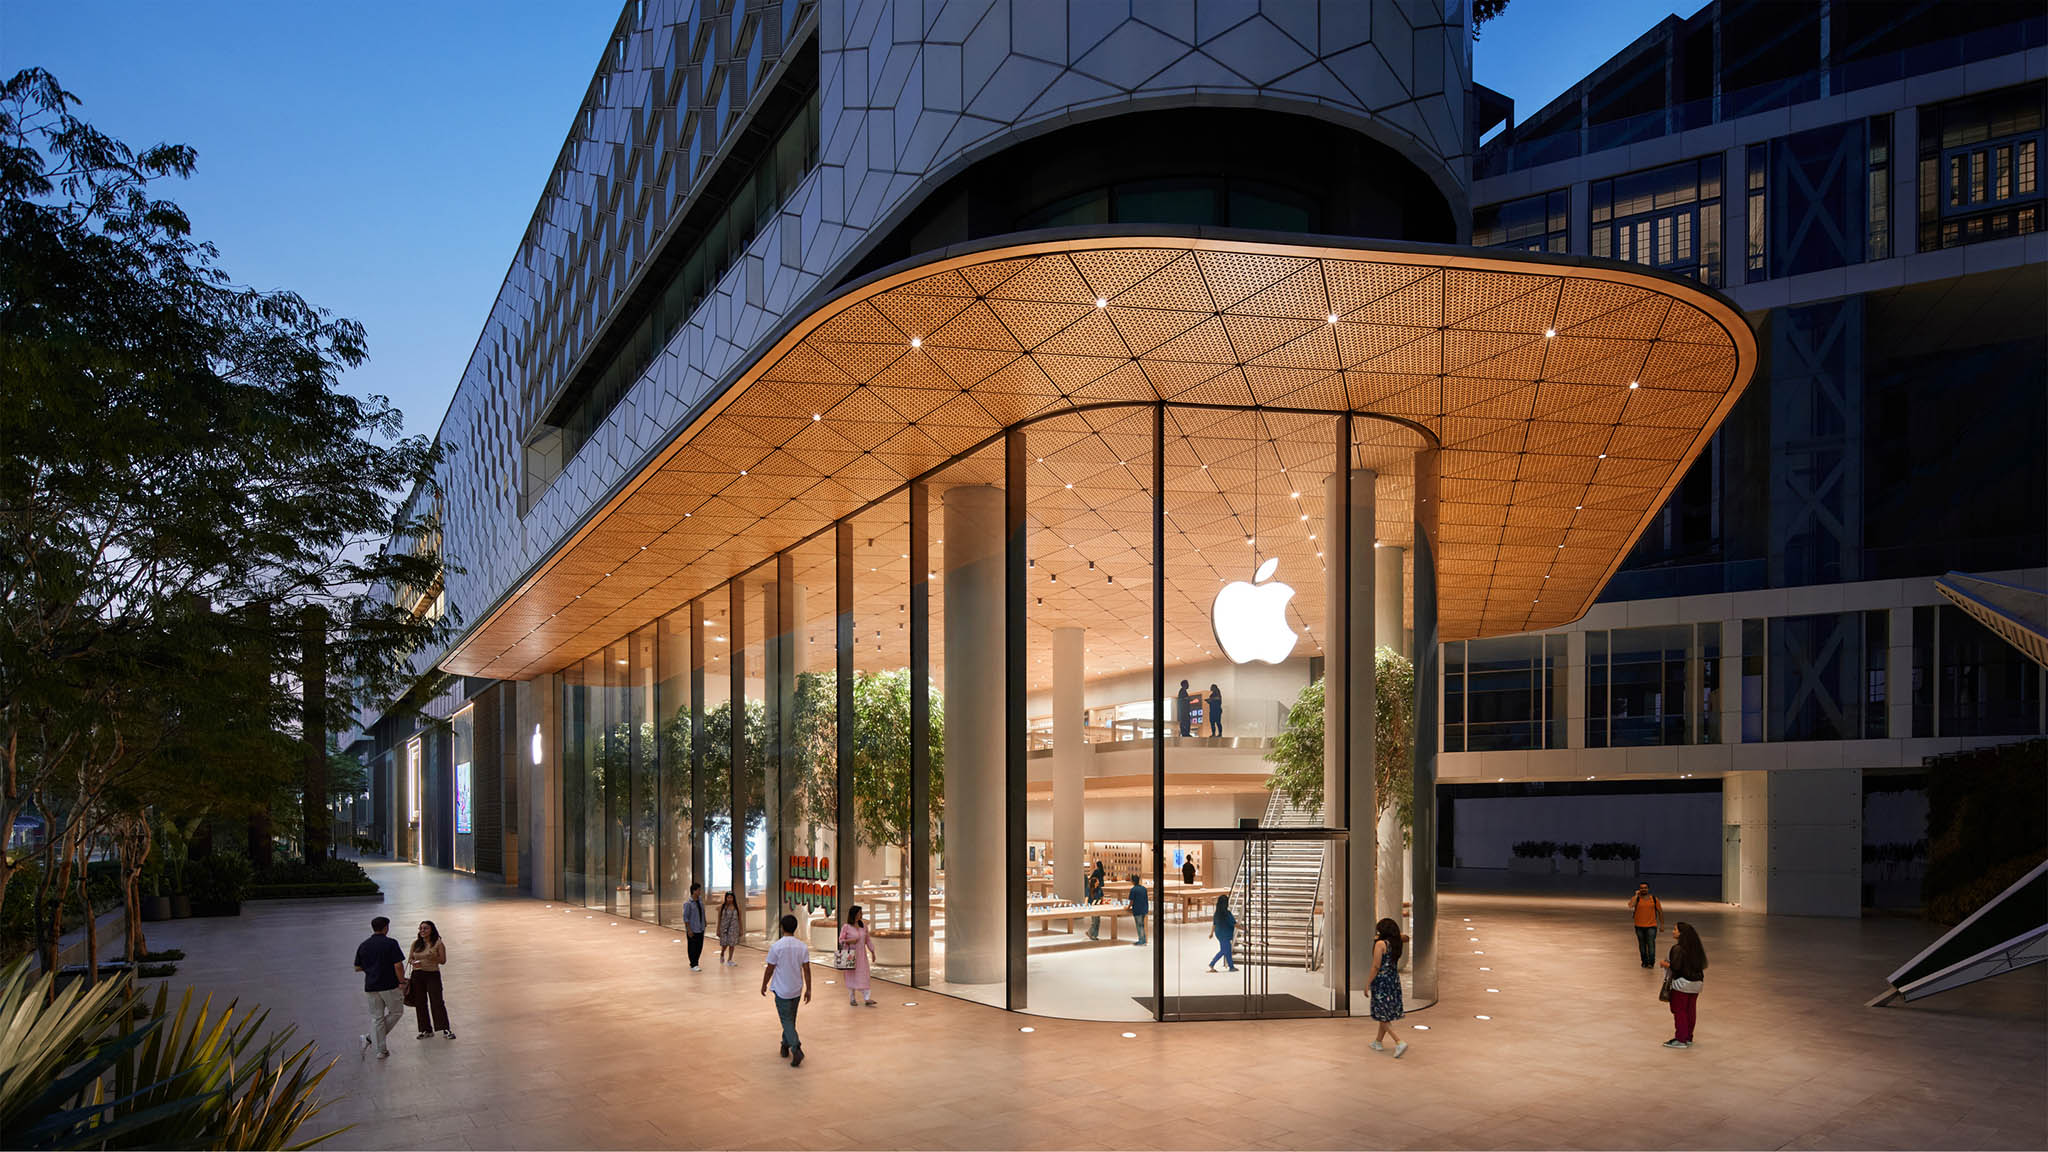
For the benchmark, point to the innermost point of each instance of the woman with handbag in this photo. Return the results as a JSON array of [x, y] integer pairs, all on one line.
[[856, 951], [1685, 974], [423, 989], [728, 929]]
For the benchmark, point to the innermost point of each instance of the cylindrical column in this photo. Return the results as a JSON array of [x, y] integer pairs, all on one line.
[[974, 734], [1348, 709], [1069, 761], [1428, 671]]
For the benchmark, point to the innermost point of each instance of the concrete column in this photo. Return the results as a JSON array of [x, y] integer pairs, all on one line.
[[539, 779], [1802, 839], [974, 734], [1069, 762], [1731, 681], [1899, 676], [1349, 713], [1390, 599], [1428, 715], [1575, 675]]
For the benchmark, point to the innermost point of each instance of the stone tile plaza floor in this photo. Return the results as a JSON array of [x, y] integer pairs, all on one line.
[[580, 1031]]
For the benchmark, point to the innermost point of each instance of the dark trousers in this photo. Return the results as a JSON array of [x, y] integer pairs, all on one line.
[[1646, 943], [432, 1010], [1685, 1012], [786, 1008], [696, 948]]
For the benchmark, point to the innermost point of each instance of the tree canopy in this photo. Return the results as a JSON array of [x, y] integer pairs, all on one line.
[[1297, 755], [184, 479]]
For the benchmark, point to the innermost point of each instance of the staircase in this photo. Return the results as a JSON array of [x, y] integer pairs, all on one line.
[[1280, 930]]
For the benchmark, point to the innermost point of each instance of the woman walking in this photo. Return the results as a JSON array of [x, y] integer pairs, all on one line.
[[1215, 710], [728, 929], [1386, 984], [1223, 928], [853, 935], [429, 952], [1688, 964]]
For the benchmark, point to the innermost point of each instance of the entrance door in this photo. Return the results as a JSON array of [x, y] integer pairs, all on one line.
[[1276, 885], [413, 830]]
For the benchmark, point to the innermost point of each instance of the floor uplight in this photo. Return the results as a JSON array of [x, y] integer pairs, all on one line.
[[1422, 1027], [1482, 1017], [910, 1003], [1130, 1035], [1027, 1028]]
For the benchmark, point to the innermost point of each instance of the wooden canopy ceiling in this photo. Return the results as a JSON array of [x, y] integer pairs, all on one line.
[[1567, 397]]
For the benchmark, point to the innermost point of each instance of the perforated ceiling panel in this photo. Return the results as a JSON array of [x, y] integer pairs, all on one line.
[[1567, 398]]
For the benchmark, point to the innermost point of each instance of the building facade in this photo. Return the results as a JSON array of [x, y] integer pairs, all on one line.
[[1862, 180], [902, 426]]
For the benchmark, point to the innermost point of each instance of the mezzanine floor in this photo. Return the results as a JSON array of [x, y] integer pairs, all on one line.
[[581, 1031]]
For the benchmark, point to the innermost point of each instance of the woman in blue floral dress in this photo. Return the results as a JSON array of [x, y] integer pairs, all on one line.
[[1386, 984]]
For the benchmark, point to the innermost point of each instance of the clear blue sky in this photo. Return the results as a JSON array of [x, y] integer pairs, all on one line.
[[382, 159]]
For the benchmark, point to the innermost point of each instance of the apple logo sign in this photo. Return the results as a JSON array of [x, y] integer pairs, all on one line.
[[1250, 620]]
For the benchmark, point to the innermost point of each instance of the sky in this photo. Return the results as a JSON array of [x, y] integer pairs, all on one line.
[[382, 159]]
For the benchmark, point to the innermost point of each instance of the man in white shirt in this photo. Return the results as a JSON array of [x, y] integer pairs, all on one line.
[[789, 974]]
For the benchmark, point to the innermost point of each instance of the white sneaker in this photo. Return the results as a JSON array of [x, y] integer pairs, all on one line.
[[366, 1044], [1400, 1048], [1676, 1044], [1378, 1047], [694, 968], [448, 1033]]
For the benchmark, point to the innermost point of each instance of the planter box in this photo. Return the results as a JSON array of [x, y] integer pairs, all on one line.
[[1533, 865], [1622, 868], [216, 908], [1567, 866], [155, 908]]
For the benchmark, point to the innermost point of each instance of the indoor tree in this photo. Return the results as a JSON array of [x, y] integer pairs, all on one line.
[[1298, 764]]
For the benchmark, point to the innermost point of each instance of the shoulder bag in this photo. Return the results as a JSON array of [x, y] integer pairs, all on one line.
[[1664, 992]]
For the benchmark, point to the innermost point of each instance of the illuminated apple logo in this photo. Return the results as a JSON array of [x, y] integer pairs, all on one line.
[[1250, 620]]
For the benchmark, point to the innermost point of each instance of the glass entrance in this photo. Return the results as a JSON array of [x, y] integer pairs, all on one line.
[[1255, 939]]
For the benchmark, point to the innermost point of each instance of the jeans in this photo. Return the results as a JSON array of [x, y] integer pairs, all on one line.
[[1685, 1012], [1646, 943], [1223, 952], [1141, 927], [696, 948], [432, 1010], [786, 1008], [387, 1008]]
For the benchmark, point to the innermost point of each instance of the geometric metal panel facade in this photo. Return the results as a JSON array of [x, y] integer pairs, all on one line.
[[1566, 398]]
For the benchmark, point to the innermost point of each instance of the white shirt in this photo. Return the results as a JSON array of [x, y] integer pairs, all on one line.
[[788, 955]]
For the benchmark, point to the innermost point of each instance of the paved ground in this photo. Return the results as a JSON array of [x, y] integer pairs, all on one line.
[[579, 1031]]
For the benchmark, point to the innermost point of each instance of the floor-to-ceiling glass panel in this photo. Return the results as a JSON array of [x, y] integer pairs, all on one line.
[[809, 810], [675, 869], [462, 731], [1247, 594], [964, 518], [643, 814], [1089, 714], [881, 876], [615, 781], [716, 754], [755, 749]]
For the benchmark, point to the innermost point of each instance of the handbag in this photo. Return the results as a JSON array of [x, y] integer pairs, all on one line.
[[1664, 993], [843, 958], [411, 994]]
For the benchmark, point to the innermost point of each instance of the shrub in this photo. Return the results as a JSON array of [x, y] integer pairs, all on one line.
[[307, 891], [1570, 851], [1613, 850], [220, 879], [1532, 849], [317, 872], [94, 1069], [1984, 824]]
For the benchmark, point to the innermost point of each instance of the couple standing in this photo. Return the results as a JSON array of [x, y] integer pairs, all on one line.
[[388, 989]]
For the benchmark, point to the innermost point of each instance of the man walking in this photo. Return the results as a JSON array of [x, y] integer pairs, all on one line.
[[789, 973], [1649, 916], [693, 924], [382, 963], [1141, 904]]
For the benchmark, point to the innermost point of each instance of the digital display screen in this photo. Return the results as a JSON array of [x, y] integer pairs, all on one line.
[[462, 825]]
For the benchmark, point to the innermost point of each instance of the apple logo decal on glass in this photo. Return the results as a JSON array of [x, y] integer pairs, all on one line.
[[1250, 620]]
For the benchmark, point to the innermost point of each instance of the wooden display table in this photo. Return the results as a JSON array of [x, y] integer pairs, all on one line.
[[1191, 898], [1075, 916]]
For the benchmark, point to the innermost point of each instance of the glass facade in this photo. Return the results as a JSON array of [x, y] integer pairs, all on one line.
[[1653, 686], [1980, 163], [1968, 681], [1506, 693], [842, 724], [1667, 217], [1532, 224]]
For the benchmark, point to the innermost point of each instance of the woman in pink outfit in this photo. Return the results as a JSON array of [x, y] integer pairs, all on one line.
[[853, 935]]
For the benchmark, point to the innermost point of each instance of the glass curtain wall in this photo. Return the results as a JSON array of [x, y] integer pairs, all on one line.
[[462, 731], [674, 829], [881, 875], [713, 735], [1089, 712], [809, 810], [752, 748]]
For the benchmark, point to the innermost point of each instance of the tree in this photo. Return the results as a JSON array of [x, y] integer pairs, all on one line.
[[183, 480], [1298, 765]]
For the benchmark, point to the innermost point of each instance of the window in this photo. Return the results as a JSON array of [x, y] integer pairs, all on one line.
[[1758, 162], [1666, 217], [1978, 168], [1877, 208], [1648, 687], [1532, 224], [1505, 693]]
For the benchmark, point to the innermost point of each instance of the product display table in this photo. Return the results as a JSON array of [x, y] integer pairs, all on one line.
[[1191, 898], [1076, 917]]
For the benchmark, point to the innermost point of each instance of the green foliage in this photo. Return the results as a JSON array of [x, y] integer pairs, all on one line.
[[218, 880], [18, 911], [1984, 827], [183, 478], [79, 1072], [316, 872], [1535, 849], [1613, 850], [1297, 754]]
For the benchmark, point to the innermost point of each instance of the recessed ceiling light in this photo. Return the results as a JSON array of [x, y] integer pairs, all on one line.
[[917, 341], [1332, 317], [1549, 332], [1635, 384], [816, 416], [1101, 303]]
